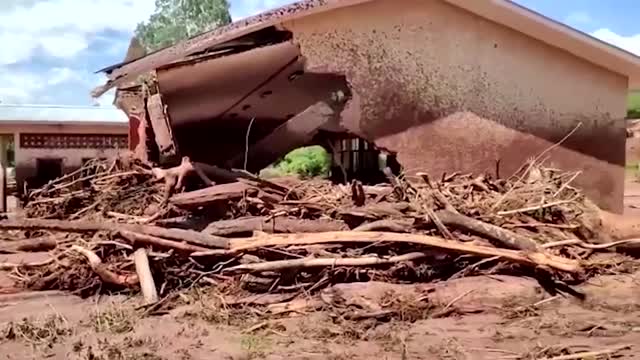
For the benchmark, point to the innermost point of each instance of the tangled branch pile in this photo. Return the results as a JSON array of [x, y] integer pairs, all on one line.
[[290, 236]]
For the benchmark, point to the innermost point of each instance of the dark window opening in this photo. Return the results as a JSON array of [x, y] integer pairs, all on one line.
[[47, 170]]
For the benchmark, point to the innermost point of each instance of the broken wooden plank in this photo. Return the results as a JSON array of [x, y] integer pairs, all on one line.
[[161, 126]]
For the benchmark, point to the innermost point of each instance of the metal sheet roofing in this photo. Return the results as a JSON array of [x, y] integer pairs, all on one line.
[[504, 12], [60, 113]]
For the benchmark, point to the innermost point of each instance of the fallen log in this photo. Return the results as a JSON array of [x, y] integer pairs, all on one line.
[[275, 225], [280, 265], [36, 244], [229, 176], [105, 274], [142, 239], [400, 226], [12, 266], [377, 211], [189, 236], [505, 238], [208, 195], [526, 258]]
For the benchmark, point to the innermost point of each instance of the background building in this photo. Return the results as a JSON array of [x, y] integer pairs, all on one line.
[[39, 143]]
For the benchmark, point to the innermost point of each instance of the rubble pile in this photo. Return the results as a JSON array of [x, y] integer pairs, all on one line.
[[123, 225]]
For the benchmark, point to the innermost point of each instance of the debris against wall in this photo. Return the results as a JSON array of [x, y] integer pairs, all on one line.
[[466, 97]]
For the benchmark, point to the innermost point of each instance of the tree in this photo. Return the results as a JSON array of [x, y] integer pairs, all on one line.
[[176, 20]]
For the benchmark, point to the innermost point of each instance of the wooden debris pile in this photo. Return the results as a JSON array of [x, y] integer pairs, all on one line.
[[123, 225]]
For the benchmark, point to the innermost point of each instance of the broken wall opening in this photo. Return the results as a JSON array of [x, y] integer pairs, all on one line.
[[307, 162], [355, 158], [348, 158]]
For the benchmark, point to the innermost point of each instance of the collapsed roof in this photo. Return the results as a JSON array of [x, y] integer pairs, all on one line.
[[238, 36]]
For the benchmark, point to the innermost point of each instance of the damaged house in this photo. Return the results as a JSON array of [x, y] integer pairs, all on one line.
[[439, 85]]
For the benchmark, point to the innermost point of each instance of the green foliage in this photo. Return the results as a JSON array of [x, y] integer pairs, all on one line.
[[633, 105], [306, 161], [175, 20]]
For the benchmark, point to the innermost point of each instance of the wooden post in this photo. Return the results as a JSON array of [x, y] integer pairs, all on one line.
[[147, 285]]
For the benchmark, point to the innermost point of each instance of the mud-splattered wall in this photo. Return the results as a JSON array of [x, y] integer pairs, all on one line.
[[451, 91]]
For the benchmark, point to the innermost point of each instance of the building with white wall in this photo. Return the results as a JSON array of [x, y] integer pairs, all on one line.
[[49, 141]]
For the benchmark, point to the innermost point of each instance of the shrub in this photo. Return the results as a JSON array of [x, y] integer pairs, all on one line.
[[306, 162]]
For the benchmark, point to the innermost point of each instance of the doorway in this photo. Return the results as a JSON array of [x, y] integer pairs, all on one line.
[[47, 169]]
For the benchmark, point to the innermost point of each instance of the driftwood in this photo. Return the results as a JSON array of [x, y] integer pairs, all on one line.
[[274, 225], [35, 244], [504, 237], [377, 211], [147, 285], [211, 194], [105, 274], [138, 238], [313, 262], [13, 266], [189, 236], [387, 225], [528, 258]]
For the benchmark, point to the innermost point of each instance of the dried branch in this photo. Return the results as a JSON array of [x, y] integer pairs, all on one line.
[[329, 262], [105, 274], [504, 237], [529, 258]]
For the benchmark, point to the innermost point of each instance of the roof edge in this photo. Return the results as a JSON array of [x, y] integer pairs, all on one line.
[[542, 28], [273, 17], [504, 12]]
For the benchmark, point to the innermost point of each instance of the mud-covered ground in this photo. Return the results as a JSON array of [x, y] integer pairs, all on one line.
[[496, 318]]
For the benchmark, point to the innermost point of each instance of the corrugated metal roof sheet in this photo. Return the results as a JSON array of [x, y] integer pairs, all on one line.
[[61, 113]]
